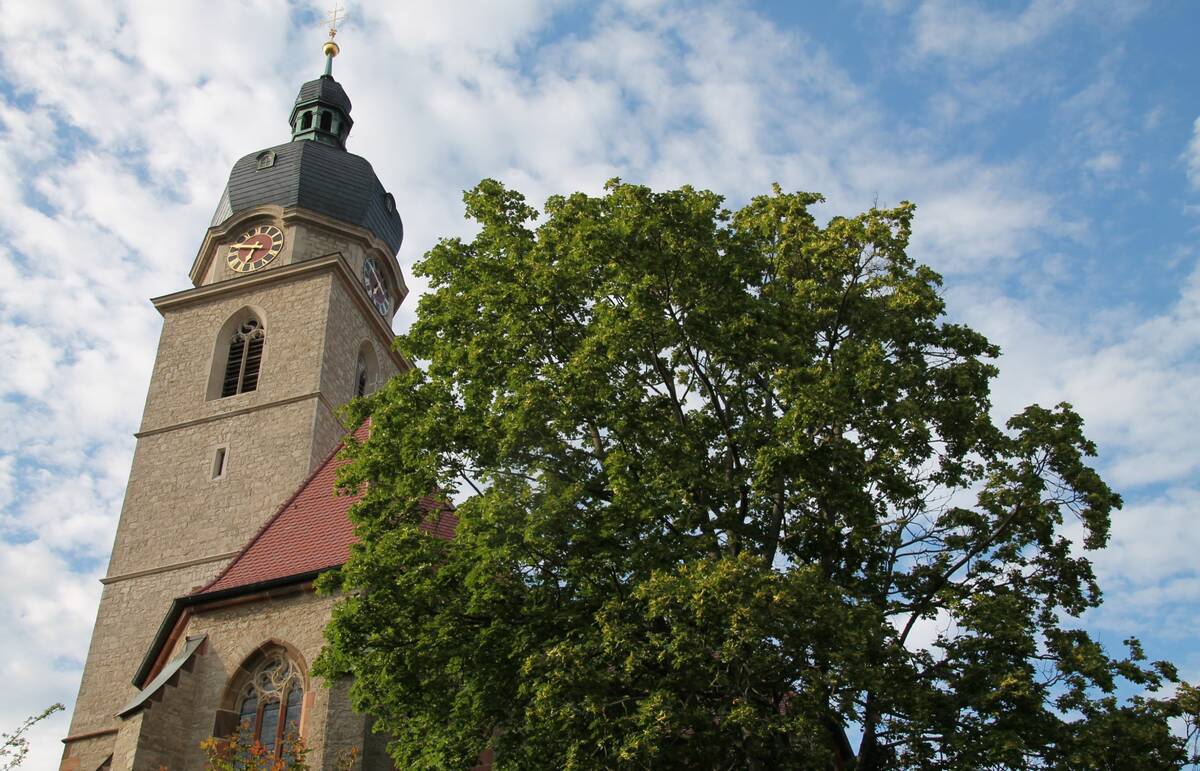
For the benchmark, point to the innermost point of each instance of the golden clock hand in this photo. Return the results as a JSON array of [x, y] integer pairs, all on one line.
[[247, 246]]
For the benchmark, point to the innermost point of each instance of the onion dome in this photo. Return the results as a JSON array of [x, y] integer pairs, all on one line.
[[314, 171]]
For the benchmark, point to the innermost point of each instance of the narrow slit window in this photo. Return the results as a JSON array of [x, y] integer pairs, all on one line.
[[218, 467], [245, 359]]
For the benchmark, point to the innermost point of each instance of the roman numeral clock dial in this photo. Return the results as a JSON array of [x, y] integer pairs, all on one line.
[[376, 287], [255, 248]]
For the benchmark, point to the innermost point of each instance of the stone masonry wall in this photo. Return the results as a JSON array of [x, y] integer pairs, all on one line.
[[176, 511], [345, 334], [130, 612], [190, 351], [172, 728], [179, 525]]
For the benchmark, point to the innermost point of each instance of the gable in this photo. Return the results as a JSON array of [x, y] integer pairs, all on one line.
[[311, 532]]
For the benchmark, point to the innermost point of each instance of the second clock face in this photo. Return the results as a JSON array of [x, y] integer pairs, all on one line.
[[255, 248], [376, 286]]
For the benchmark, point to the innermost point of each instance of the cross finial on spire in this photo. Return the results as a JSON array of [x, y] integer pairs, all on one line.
[[331, 49], [335, 15]]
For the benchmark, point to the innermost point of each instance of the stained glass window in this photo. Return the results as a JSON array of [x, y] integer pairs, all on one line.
[[271, 703]]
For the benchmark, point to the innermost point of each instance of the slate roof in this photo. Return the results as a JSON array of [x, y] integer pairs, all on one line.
[[311, 532], [326, 90], [315, 176], [191, 645]]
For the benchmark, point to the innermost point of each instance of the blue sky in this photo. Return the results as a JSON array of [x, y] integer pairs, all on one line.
[[1052, 148]]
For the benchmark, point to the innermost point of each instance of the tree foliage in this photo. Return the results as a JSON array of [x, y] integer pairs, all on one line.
[[14, 747], [732, 497]]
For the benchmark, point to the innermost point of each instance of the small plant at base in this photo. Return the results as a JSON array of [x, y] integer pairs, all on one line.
[[347, 760], [241, 752]]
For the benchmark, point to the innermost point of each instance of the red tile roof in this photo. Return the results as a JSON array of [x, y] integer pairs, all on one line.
[[310, 532]]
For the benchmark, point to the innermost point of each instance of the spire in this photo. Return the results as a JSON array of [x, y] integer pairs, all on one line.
[[331, 48], [322, 110]]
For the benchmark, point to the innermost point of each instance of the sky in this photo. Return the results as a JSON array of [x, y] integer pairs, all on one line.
[[1052, 149]]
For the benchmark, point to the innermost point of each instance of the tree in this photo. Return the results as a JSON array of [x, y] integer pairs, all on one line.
[[14, 747], [720, 470]]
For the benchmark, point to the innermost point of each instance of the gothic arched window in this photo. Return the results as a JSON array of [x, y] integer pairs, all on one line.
[[245, 358], [270, 703]]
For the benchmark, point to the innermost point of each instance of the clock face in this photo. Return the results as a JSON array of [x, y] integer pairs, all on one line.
[[255, 248], [376, 287]]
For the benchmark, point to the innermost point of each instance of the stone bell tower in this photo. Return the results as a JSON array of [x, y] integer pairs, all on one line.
[[288, 317]]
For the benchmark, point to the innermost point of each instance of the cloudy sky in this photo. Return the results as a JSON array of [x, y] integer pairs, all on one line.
[[1052, 148]]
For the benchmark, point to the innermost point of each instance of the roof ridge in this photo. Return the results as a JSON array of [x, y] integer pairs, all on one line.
[[280, 511]]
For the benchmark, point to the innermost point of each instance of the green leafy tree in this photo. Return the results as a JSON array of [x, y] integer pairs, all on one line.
[[14, 747], [720, 469]]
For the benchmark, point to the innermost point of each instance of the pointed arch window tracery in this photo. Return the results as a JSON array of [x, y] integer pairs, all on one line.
[[245, 358], [270, 702]]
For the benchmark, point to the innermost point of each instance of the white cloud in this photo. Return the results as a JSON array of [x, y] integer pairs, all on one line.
[[1132, 379], [1105, 162], [45, 621], [1134, 382], [1155, 540], [8, 465], [979, 33], [1192, 156], [970, 30], [971, 219], [927, 630]]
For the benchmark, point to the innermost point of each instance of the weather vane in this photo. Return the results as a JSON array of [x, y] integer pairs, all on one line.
[[337, 14], [331, 48]]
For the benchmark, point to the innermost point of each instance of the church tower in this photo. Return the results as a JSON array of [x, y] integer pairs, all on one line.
[[288, 316]]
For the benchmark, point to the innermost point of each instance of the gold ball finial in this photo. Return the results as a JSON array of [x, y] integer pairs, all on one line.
[[331, 48], [336, 14]]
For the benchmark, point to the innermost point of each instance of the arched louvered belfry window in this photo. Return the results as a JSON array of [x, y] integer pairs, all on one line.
[[270, 703], [245, 358], [306, 121], [360, 377], [326, 121], [365, 369]]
